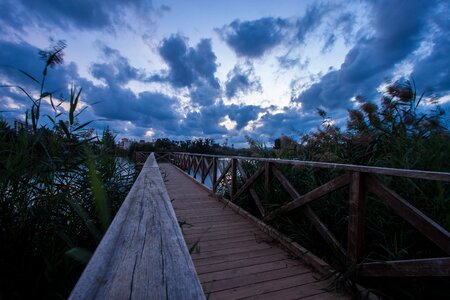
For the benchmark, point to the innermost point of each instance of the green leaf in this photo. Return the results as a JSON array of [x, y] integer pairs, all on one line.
[[81, 111], [102, 205], [29, 76], [51, 119], [64, 128], [83, 125], [93, 230], [45, 94], [80, 254]]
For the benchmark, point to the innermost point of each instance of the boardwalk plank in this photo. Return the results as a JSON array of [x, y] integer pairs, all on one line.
[[233, 258]]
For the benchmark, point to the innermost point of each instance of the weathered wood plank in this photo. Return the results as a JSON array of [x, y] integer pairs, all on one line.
[[243, 256], [412, 215], [264, 287], [246, 280], [143, 254], [282, 264], [408, 268]]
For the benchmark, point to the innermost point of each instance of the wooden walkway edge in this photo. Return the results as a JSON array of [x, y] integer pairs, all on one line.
[[233, 258], [143, 254]]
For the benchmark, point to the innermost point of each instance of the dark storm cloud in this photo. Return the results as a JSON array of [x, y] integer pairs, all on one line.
[[289, 121], [203, 94], [146, 109], [117, 70], [242, 80], [187, 65], [82, 14], [112, 101], [243, 114], [372, 59], [432, 73], [253, 39]]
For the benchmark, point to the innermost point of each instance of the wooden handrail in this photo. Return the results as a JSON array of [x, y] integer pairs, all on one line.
[[428, 175], [143, 254], [359, 179]]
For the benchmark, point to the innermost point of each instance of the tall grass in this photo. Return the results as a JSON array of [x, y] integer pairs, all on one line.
[[59, 188]]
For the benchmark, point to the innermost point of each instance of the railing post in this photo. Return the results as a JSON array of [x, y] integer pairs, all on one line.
[[214, 177], [355, 236], [195, 166], [234, 164], [268, 182], [202, 161]]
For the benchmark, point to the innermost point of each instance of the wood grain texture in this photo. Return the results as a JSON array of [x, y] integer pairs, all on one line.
[[143, 254], [233, 257], [401, 268]]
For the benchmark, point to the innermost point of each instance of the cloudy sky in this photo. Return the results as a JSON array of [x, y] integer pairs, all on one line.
[[222, 69]]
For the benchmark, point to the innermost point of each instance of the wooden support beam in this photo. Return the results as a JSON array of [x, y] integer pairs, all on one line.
[[430, 229], [249, 182], [407, 268], [191, 163], [299, 201], [202, 174], [234, 163], [356, 214], [311, 215], [207, 170], [197, 167], [222, 176], [326, 234], [214, 177], [252, 190]]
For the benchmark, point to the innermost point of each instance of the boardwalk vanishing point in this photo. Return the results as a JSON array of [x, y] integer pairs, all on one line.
[[233, 258], [173, 238]]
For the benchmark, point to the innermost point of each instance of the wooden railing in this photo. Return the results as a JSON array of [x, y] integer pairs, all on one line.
[[361, 180], [143, 254]]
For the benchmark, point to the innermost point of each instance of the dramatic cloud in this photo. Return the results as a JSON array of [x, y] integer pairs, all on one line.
[[117, 70], [187, 65], [432, 73], [242, 80], [153, 81], [112, 101], [372, 59], [311, 20], [84, 14], [253, 39]]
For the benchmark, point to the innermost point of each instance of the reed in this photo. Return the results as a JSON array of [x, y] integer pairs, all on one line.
[[59, 188]]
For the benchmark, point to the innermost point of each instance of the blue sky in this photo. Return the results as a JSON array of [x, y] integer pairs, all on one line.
[[223, 69]]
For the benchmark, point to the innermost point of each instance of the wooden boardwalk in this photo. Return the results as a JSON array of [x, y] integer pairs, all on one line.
[[233, 258]]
